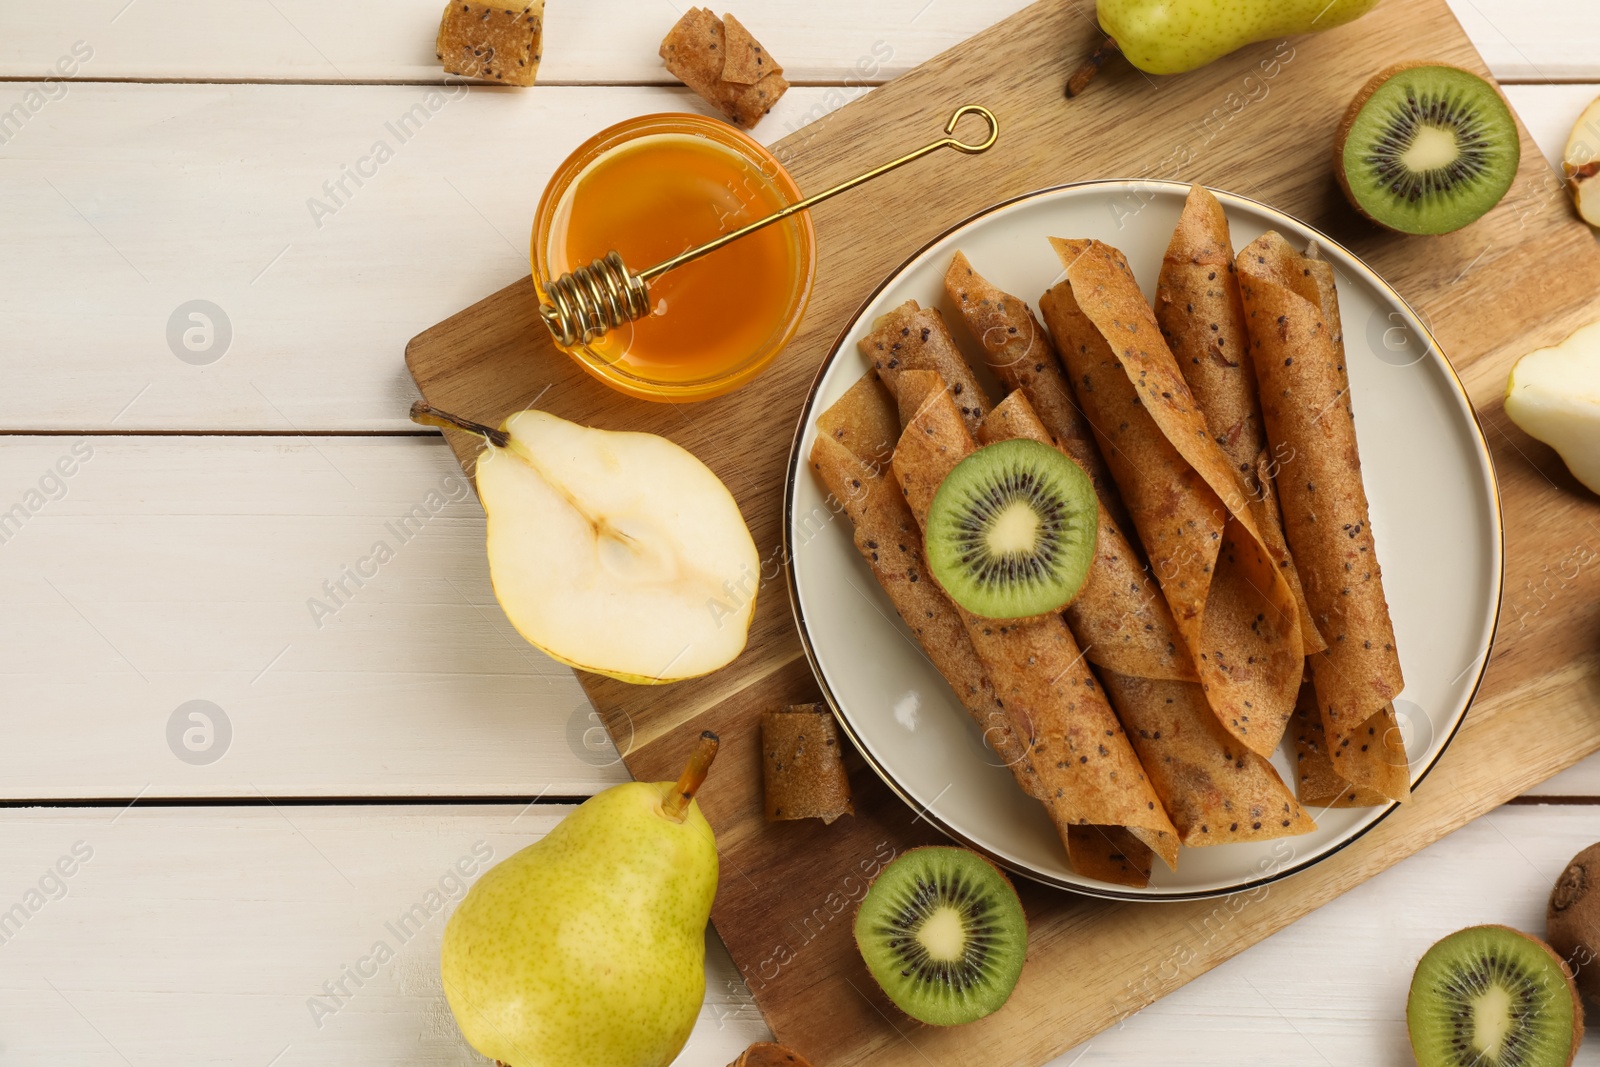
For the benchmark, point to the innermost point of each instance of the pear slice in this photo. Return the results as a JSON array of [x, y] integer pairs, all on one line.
[[616, 553], [1554, 395], [1581, 163]]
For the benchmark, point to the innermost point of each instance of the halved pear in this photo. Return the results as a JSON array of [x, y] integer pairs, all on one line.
[[616, 553], [1581, 163], [1554, 395]]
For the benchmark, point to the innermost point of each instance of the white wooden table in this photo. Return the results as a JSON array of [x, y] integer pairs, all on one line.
[[174, 510]]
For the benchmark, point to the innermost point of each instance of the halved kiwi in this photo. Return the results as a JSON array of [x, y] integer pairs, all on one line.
[[1491, 996], [943, 933], [1426, 148], [1011, 530]]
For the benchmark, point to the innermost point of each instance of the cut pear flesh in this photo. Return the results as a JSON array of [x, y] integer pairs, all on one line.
[[1554, 395], [1581, 163], [616, 553]]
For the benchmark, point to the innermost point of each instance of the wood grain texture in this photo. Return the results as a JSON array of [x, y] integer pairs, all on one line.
[[203, 192], [611, 41], [197, 936], [171, 569], [1489, 293]]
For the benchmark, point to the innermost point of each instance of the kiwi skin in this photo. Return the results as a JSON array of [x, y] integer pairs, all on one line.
[[1349, 121], [1577, 1002], [1572, 921]]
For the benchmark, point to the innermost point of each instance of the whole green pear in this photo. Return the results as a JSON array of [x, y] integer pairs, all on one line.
[[587, 948], [1173, 36]]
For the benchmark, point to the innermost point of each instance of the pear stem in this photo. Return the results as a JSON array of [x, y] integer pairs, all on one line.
[[1080, 79], [675, 805], [426, 414]]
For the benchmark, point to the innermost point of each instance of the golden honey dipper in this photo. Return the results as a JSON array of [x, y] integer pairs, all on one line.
[[591, 300]]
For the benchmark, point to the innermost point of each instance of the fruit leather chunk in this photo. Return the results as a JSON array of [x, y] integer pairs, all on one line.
[[854, 440], [495, 40], [1215, 790], [804, 762], [718, 59], [1201, 315], [1297, 349], [1229, 600], [1086, 766], [766, 1054]]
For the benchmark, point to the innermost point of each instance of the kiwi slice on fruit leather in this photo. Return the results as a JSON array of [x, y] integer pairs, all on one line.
[[1011, 530]]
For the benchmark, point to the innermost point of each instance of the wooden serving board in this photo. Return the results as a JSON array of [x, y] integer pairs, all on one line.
[[1261, 123]]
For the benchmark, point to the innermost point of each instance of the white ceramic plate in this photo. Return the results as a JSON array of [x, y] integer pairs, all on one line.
[[1435, 514]]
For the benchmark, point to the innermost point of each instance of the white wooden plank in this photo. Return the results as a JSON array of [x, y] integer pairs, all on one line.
[[120, 203], [198, 936], [176, 569], [206, 936], [1549, 112], [589, 41], [1581, 780], [168, 569], [1537, 42], [123, 202], [609, 41]]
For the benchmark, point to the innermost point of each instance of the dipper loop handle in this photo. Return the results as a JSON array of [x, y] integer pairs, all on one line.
[[592, 300]]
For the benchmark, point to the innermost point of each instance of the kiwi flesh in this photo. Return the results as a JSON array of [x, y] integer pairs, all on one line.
[[1491, 996], [1426, 148], [1011, 530], [943, 933]]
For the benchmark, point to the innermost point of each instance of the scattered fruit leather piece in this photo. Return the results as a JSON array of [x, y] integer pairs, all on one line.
[[1201, 315], [718, 59], [496, 40], [1298, 353], [766, 1054], [803, 760], [1229, 600]]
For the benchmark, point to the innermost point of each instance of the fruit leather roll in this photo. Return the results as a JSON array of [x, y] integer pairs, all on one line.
[[1201, 315], [1108, 615], [1291, 309], [1087, 769], [912, 337], [1229, 600], [1020, 354], [1318, 784], [1215, 790], [854, 440]]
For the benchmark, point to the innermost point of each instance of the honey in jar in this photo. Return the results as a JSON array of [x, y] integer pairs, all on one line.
[[650, 189]]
